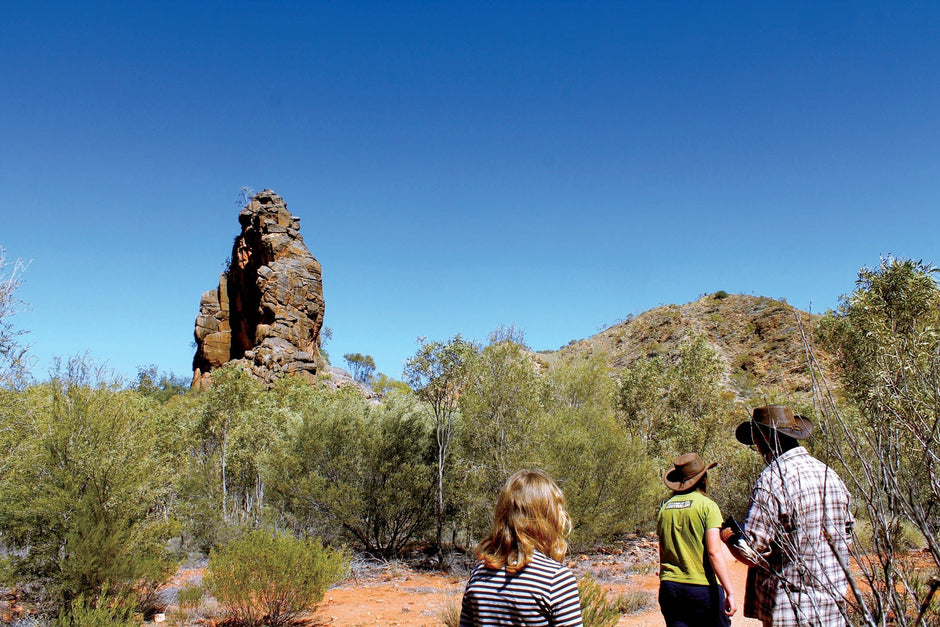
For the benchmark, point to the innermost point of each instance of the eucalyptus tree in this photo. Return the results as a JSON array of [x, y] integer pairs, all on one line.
[[679, 406], [360, 366], [439, 375], [501, 414], [609, 482], [228, 430], [886, 336]]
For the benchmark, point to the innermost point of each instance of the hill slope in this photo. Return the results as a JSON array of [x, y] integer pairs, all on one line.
[[757, 338]]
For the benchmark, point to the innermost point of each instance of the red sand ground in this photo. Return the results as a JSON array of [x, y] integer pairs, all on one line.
[[412, 599], [396, 595]]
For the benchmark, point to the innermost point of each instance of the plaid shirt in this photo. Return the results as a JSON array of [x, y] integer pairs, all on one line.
[[795, 499]]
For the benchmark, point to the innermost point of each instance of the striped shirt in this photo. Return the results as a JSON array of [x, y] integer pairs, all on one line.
[[795, 500], [543, 594]]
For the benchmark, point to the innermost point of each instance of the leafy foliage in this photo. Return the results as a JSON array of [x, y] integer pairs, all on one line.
[[353, 471], [596, 609], [159, 386], [384, 385], [268, 578], [500, 418], [607, 479], [439, 375], [678, 407], [103, 611], [887, 336], [83, 490], [642, 398], [361, 366], [228, 431]]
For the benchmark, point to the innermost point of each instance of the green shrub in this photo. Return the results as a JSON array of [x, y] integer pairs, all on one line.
[[189, 601], [268, 578], [85, 489], [356, 473], [720, 295], [596, 609], [900, 535], [609, 484], [189, 596], [7, 574], [105, 611]]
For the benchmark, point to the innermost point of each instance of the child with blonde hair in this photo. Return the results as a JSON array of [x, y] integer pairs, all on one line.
[[519, 578]]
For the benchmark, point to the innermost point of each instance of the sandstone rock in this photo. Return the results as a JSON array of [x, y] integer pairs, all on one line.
[[267, 311], [339, 378]]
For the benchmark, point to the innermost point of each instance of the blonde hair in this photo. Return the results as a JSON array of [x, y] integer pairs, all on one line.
[[530, 514]]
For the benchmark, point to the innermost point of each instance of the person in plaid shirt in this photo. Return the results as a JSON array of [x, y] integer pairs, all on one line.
[[796, 503]]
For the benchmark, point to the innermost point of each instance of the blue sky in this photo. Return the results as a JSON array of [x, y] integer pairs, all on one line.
[[458, 166]]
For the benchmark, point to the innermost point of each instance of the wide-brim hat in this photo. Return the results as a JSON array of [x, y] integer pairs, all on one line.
[[685, 472], [780, 418]]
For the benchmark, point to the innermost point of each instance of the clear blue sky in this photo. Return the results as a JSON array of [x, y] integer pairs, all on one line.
[[458, 165]]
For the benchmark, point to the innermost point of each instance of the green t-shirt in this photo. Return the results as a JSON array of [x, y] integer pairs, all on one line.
[[681, 526]]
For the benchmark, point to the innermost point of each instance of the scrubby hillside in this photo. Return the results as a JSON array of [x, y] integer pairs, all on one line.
[[757, 338]]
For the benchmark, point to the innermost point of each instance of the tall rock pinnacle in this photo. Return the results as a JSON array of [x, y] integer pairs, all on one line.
[[268, 309]]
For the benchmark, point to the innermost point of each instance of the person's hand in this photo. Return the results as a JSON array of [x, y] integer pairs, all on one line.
[[726, 535], [730, 606]]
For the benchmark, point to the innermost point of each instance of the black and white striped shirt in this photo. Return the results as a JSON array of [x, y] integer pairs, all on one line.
[[543, 594]]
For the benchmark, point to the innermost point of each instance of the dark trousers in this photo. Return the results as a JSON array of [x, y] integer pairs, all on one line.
[[690, 605]]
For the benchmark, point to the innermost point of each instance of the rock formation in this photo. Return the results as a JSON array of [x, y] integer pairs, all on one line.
[[268, 309]]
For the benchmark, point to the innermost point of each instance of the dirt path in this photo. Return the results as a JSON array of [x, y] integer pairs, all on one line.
[[394, 594], [653, 618], [406, 598]]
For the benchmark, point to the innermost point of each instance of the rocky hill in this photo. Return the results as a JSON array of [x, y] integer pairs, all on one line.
[[757, 338]]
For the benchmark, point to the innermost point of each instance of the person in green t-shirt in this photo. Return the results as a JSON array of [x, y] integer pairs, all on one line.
[[691, 557]]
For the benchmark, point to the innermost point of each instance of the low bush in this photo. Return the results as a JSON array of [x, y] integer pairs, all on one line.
[[634, 601], [449, 613], [597, 610], [358, 474], [268, 578], [189, 599], [103, 611], [189, 596], [901, 536]]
